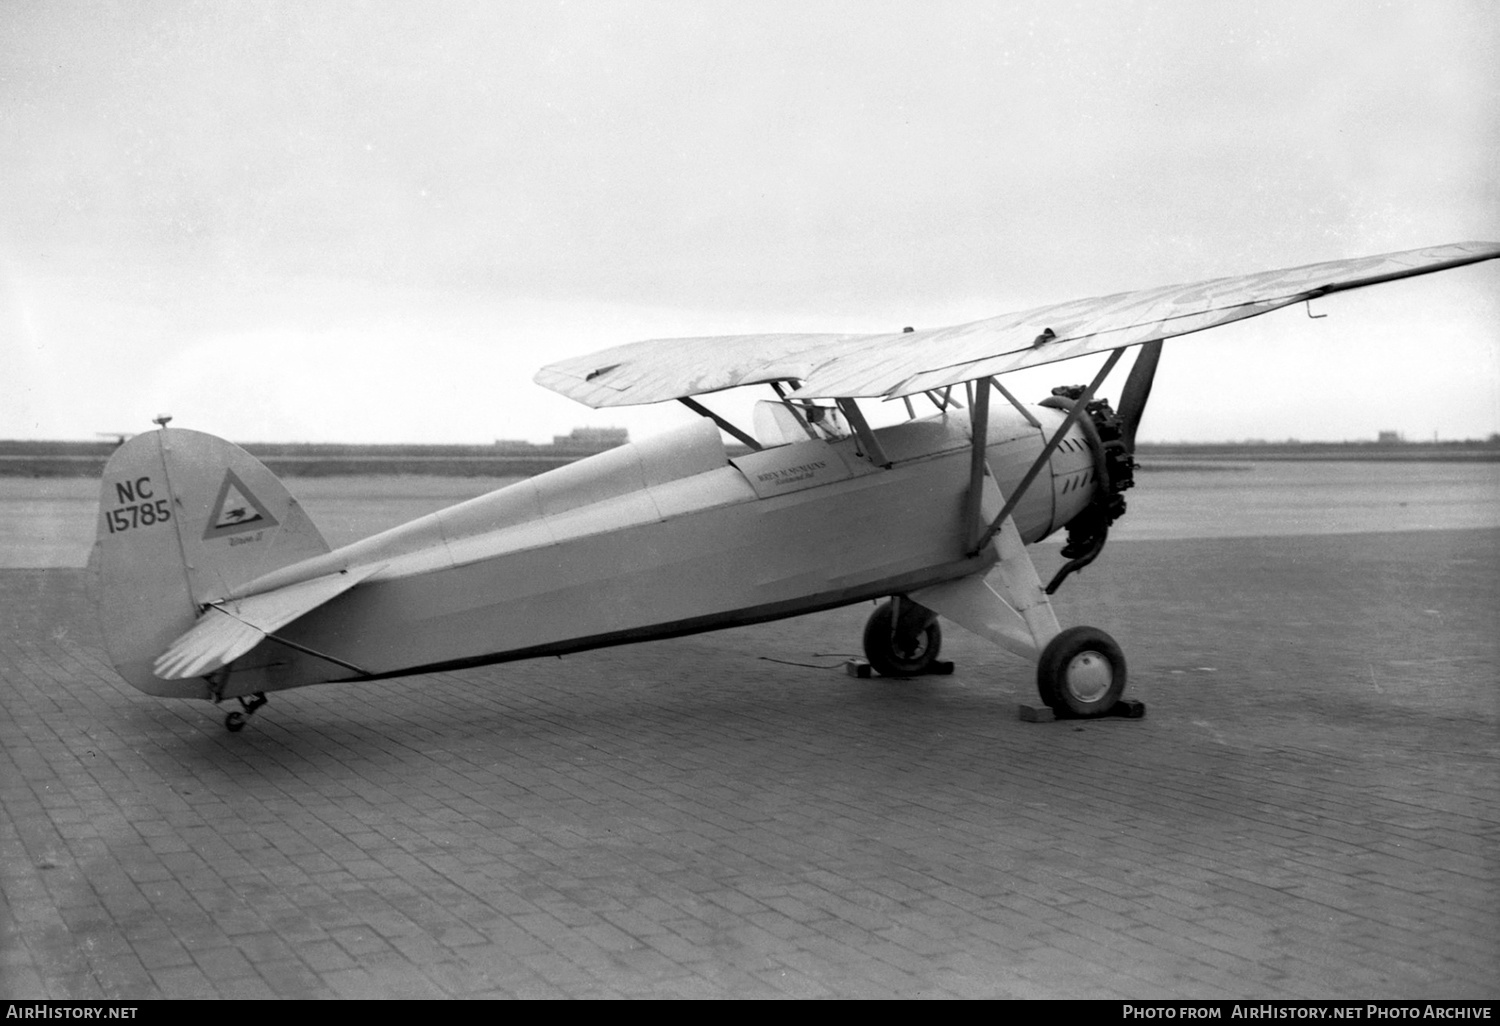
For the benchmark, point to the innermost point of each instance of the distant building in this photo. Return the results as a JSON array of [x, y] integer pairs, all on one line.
[[591, 439], [581, 441], [1389, 438]]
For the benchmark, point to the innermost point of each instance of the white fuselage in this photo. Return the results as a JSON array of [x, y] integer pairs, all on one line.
[[653, 539]]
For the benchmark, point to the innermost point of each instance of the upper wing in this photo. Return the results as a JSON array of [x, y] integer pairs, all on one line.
[[670, 368], [891, 365]]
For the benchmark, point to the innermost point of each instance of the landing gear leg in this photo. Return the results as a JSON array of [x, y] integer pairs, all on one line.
[[235, 721], [1080, 671]]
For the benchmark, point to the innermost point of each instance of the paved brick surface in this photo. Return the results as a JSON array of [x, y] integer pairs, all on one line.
[[1310, 808]]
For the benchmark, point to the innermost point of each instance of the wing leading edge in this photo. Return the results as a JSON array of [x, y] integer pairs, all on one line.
[[893, 365]]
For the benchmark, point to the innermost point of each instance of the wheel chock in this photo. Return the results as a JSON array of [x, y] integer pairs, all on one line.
[[861, 668], [1125, 709]]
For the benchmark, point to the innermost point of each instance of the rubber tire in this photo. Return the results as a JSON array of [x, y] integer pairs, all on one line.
[[883, 654], [235, 722], [1080, 643]]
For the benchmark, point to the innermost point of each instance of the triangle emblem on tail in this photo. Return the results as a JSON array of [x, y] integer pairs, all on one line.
[[236, 510]]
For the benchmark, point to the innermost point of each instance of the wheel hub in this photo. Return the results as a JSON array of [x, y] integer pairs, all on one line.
[[1089, 676], [913, 647]]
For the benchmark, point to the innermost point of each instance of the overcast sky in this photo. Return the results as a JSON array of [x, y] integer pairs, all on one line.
[[375, 221]]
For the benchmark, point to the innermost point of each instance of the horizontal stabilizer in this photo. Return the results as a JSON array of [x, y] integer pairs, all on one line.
[[229, 629]]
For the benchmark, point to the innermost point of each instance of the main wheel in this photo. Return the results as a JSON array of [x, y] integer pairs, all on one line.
[[1081, 672], [896, 654]]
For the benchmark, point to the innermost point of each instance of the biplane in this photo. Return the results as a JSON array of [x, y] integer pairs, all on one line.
[[214, 584]]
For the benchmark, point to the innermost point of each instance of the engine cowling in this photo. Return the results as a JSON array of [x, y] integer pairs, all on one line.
[[1111, 445], [1066, 487]]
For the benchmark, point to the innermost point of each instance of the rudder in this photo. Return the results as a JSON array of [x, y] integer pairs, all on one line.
[[183, 518]]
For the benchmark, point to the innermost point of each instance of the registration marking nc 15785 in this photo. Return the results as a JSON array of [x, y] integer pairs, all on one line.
[[138, 507]]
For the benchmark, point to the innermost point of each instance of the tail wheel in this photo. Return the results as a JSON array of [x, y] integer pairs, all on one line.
[[1081, 672], [900, 653]]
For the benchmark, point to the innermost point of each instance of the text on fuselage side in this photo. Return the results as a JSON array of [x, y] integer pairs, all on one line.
[[788, 475]]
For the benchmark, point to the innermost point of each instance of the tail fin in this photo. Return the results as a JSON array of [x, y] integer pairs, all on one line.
[[183, 518]]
